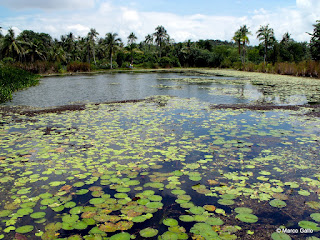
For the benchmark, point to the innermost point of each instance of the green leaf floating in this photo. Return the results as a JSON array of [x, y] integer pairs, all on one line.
[[154, 205], [315, 217], [70, 218], [38, 215], [247, 217], [280, 236], [186, 218], [170, 222], [309, 225], [243, 210], [225, 202], [197, 210], [148, 232], [25, 229], [139, 219], [121, 236], [277, 203]]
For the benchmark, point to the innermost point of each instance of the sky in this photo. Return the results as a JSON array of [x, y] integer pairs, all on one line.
[[183, 19]]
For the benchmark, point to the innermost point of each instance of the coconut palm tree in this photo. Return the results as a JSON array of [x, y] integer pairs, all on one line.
[[237, 39], [92, 38], [131, 40], [113, 43], [265, 35], [11, 47], [160, 37], [244, 39]]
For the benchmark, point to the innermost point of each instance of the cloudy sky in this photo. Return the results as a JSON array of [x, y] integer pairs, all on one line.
[[183, 19]]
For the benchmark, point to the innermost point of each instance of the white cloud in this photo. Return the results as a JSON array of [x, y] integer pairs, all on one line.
[[124, 20], [48, 4]]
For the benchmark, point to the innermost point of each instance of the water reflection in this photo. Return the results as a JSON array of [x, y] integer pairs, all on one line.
[[56, 91]]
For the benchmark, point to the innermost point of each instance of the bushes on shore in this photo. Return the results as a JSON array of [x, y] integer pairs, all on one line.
[[301, 69], [13, 79]]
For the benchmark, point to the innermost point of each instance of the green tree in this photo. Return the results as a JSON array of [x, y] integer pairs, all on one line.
[[132, 38], [245, 40], [160, 37], [237, 39], [265, 35], [113, 43], [11, 47], [92, 39], [315, 42]]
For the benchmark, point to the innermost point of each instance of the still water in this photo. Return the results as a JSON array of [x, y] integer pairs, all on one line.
[[57, 91]]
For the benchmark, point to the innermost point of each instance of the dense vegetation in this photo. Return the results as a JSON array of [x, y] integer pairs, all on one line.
[[12, 79], [40, 53]]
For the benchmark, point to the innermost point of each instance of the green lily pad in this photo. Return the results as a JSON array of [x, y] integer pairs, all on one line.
[[315, 217], [38, 215], [5, 213], [170, 222], [139, 219], [277, 203], [121, 236], [25, 211], [280, 236], [148, 232], [309, 225], [214, 221], [25, 229], [155, 198], [243, 210], [186, 218], [80, 225], [96, 201], [197, 210], [247, 217], [154, 205], [70, 218], [169, 236], [225, 202]]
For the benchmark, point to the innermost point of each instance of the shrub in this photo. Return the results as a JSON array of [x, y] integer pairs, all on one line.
[[78, 67], [13, 79]]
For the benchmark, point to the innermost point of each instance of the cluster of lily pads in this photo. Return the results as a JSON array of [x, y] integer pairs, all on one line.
[[167, 168]]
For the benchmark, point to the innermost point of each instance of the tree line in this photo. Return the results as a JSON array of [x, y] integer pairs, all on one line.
[[39, 52]]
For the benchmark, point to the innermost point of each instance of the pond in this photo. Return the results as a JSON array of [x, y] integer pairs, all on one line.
[[56, 91], [163, 168]]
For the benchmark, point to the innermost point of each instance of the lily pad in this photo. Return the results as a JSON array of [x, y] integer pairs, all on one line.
[[247, 217], [197, 210], [25, 229], [277, 203], [243, 210], [309, 225], [148, 232], [280, 236], [38, 215], [170, 222], [121, 236], [154, 205], [315, 217]]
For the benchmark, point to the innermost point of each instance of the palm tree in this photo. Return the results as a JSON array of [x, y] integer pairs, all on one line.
[[131, 40], [244, 39], [92, 38], [237, 39], [161, 35], [148, 39], [11, 47], [265, 35], [286, 38], [113, 42]]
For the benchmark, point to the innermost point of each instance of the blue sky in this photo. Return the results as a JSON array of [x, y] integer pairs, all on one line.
[[202, 19]]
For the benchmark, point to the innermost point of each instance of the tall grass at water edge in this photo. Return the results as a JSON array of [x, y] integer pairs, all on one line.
[[13, 79]]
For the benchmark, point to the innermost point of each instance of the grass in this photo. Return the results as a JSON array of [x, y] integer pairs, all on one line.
[[13, 79]]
